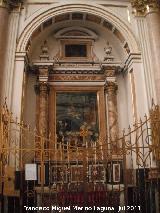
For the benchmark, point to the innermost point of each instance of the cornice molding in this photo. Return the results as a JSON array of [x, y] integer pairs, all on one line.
[[142, 7]]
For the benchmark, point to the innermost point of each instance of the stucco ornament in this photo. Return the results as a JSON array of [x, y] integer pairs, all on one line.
[[108, 49], [108, 53], [44, 51], [44, 48]]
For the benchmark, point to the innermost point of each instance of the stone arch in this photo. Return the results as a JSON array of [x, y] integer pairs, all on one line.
[[51, 11]]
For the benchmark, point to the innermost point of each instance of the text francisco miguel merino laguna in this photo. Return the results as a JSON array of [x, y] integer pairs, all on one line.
[[80, 208]]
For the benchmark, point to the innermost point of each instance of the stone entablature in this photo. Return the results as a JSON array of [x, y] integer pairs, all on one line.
[[76, 72]]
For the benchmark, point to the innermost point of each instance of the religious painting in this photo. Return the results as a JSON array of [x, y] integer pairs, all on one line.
[[109, 172], [76, 117], [114, 172], [77, 173], [59, 174], [75, 50], [96, 173]]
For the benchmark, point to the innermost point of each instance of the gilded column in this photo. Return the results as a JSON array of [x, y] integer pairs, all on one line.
[[4, 16], [111, 91], [150, 10]]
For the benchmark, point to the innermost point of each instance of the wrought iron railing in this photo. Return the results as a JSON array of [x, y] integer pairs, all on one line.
[[91, 174]]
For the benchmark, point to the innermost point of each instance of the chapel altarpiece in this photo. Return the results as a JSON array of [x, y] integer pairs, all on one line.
[[76, 110], [76, 92]]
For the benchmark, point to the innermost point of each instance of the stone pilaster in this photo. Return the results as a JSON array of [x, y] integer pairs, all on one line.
[[4, 16], [150, 10], [9, 74], [9, 9], [111, 92]]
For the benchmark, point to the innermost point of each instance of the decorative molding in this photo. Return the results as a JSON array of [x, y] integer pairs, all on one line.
[[80, 65], [76, 32], [142, 7], [77, 78], [77, 72]]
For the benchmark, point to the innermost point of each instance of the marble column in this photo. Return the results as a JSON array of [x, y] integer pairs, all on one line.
[[4, 16], [41, 142], [43, 109], [43, 91], [111, 91], [42, 112], [150, 10]]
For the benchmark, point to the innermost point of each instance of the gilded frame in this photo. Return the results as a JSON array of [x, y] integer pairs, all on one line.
[[100, 103]]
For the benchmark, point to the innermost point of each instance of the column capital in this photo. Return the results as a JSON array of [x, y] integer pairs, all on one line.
[[111, 88], [142, 7], [42, 87]]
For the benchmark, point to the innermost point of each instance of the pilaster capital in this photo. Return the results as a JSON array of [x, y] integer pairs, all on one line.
[[11, 4], [3, 4], [111, 88], [142, 7]]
